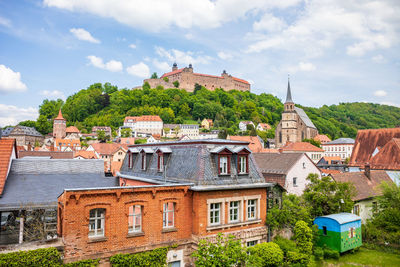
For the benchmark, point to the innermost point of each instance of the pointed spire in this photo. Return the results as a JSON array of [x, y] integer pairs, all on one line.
[[289, 93], [60, 116]]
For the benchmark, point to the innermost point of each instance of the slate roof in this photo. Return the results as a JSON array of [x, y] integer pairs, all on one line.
[[343, 217], [192, 162], [38, 183], [367, 141], [276, 163], [288, 94], [6, 132], [388, 157], [341, 141], [304, 117], [366, 188], [6, 149], [21, 130]]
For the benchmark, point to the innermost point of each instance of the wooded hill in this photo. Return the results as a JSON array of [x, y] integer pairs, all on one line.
[[105, 104]]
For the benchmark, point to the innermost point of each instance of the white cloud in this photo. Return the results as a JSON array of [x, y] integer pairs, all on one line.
[[269, 23], [378, 59], [84, 35], [111, 65], [380, 93], [5, 22], [162, 65], [302, 66], [390, 104], [156, 15], [224, 55], [55, 94], [140, 70], [182, 57], [189, 36], [11, 115], [133, 46], [10, 81]]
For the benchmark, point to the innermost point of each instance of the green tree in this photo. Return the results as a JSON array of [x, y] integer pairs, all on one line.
[[28, 123], [166, 79], [154, 76], [101, 136], [225, 251], [303, 236], [49, 108], [176, 84], [44, 125], [126, 132], [325, 196], [313, 142], [265, 254]]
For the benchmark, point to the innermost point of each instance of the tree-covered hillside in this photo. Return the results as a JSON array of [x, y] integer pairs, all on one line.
[[104, 104]]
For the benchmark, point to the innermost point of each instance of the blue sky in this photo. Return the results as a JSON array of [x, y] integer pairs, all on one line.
[[335, 50]]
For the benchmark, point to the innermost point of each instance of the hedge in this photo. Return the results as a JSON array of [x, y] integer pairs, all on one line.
[[156, 258], [41, 257]]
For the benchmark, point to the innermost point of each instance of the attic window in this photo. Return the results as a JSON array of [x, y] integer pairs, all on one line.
[[130, 160], [223, 164], [143, 161], [160, 162]]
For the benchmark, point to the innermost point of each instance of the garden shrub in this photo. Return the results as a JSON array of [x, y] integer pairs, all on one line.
[[297, 258], [285, 244], [303, 236], [318, 253], [38, 257], [265, 254], [330, 253], [156, 258], [83, 263]]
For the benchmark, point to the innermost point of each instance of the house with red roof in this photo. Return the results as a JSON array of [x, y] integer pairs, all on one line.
[[187, 80], [263, 127], [146, 124], [322, 138], [313, 152]]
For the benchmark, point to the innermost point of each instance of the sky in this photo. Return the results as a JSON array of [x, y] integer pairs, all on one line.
[[334, 50]]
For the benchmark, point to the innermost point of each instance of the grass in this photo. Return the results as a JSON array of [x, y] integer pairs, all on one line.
[[365, 257]]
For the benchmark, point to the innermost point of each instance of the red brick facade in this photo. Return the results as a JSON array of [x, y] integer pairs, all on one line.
[[191, 219]]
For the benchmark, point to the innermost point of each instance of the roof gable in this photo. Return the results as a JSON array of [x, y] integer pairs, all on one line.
[[277, 163], [388, 157], [6, 152]]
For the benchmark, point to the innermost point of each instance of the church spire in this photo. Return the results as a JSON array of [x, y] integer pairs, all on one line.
[[60, 116], [289, 93]]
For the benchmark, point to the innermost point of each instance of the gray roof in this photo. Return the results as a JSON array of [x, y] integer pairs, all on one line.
[[288, 94], [276, 163], [6, 132], [24, 130], [304, 117], [192, 162], [39, 182], [341, 141], [342, 218]]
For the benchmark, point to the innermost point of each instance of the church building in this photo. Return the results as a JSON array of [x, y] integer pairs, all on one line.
[[295, 125]]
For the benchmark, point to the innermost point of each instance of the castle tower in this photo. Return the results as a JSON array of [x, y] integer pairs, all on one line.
[[59, 126], [174, 67]]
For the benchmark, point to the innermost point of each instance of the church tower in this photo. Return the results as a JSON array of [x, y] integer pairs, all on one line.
[[59, 126]]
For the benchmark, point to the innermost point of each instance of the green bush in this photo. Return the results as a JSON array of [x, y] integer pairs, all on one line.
[[156, 257], [265, 254], [37, 257], [318, 253], [297, 258], [331, 254], [83, 263], [285, 244]]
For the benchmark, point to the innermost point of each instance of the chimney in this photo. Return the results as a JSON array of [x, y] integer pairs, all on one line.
[[367, 170]]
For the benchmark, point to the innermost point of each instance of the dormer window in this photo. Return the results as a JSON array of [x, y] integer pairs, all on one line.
[[223, 164], [160, 162], [143, 161], [129, 160], [242, 168]]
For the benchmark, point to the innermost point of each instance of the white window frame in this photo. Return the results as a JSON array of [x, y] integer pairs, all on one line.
[[234, 211], [252, 243], [98, 218], [166, 212], [295, 181], [212, 211], [143, 161], [242, 164], [161, 162], [223, 164], [133, 215], [252, 208]]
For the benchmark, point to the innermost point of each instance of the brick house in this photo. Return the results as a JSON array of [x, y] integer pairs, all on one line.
[[171, 193]]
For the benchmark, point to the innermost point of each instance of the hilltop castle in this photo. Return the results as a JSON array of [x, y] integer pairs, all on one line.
[[187, 80], [295, 125]]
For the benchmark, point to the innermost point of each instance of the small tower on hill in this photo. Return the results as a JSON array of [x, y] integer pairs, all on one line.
[[174, 67], [59, 126]]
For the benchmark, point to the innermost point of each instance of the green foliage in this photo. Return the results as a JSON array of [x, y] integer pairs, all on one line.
[[28, 123], [101, 136], [176, 84], [384, 227], [39, 257], [166, 79], [126, 132], [293, 209], [83, 263], [330, 253], [318, 253], [313, 142], [226, 251], [325, 196], [303, 236], [265, 254], [156, 257], [154, 76], [140, 141]]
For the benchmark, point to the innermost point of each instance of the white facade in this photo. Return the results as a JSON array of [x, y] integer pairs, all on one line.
[[151, 140], [338, 150], [315, 156], [243, 125], [143, 125], [364, 209], [179, 130], [296, 178]]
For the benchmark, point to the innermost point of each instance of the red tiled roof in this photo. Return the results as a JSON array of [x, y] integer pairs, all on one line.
[[72, 129], [116, 167], [106, 148], [60, 116], [329, 171], [85, 154], [6, 149], [365, 187], [301, 146], [127, 140], [329, 159], [367, 141], [255, 143], [171, 73], [20, 148], [144, 118], [240, 80], [322, 138], [156, 136], [388, 157], [265, 126]]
